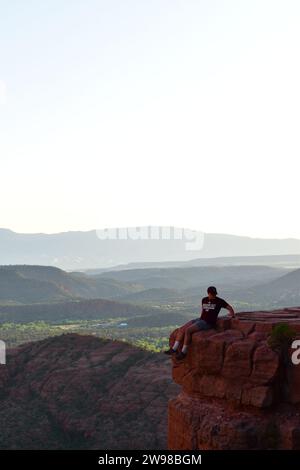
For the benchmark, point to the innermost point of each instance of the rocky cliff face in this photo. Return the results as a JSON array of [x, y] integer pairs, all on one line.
[[81, 392], [236, 391]]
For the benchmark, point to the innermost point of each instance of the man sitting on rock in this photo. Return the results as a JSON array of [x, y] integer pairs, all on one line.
[[211, 306]]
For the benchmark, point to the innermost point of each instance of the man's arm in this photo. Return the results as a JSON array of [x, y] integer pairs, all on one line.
[[231, 311], [201, 307]]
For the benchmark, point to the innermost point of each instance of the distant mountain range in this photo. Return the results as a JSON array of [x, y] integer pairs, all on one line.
[[279, 292], [283, 261], [33, 284], [248, 285], [46, 284], [87, 250], [30, 293]]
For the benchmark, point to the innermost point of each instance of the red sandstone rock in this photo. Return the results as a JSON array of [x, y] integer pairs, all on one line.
[[224, 323], [211, 351], [200, 424], [260, 397], [82, 392], [265, 365], [238, 359], [237, 393], [256, 336], [245, 326], [212, 386], [293, 381], [264, 326]]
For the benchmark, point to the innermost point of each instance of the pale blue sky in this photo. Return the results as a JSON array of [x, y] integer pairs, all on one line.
[[116, 113]]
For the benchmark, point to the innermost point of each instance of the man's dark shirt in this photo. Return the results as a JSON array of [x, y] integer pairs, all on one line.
[[211, 309]]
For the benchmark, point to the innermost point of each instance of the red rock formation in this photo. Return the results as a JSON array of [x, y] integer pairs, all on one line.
[[236, 392], [82, 392]]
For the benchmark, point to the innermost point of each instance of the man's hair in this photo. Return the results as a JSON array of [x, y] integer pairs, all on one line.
[[212, 290]]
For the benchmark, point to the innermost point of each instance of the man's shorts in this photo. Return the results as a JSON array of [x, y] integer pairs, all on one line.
[[202, 324]]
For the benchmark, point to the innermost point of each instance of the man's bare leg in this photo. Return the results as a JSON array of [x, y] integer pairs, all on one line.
[[188, 337], [179, 337]]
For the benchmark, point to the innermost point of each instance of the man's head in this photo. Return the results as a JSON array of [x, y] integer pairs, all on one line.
[[212, 292]]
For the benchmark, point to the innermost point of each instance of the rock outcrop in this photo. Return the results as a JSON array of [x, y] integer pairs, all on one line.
[[81, 392], [236, 391]]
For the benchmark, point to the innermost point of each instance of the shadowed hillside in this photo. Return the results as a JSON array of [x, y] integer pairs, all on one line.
[[32, 284], [73, 310], [279, 292]]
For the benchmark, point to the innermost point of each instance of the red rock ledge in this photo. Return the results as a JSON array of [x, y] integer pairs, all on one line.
[[237, 393]]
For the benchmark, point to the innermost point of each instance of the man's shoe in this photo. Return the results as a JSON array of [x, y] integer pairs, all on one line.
[[180, 356], [170, 351]]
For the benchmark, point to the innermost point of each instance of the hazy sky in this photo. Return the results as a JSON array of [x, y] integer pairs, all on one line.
[[139, 112]]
